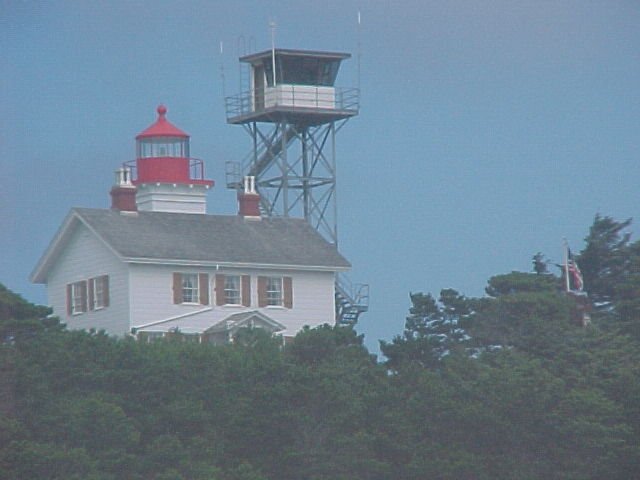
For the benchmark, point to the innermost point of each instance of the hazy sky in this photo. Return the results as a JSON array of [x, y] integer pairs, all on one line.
[[488, 130]]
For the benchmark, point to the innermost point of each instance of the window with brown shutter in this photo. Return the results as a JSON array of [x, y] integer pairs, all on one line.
[[83, 296], [177, 288], [275, 292], [204, 288], [287, 287], [69, 299], [219, 289], [262, 291], [191, 288], [91, 286], [246, 290], [105, 286]]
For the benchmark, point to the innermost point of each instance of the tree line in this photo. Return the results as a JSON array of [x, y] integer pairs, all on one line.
[[506, 386]]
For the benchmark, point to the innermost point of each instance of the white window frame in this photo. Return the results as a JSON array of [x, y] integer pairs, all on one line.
[[77, 305], [99, 291], [151, 337], [190, 292], [231, 293], [274, 292]]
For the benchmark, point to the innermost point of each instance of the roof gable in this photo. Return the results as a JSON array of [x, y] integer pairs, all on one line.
[[200, 322], [251, 319], [58, 244]]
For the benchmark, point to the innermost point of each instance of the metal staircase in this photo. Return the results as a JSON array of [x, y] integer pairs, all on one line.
[[259, 161], [352, 299]]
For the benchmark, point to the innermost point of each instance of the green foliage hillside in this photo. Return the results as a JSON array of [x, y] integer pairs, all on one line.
[[507, 386]]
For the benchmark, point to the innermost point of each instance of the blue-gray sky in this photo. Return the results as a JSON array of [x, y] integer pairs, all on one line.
[[488, 130]]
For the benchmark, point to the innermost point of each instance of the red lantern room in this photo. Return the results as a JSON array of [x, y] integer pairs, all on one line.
[[166, 177]]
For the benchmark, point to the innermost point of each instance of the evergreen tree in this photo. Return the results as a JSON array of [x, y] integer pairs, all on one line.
[[432, 330], [604, 260]]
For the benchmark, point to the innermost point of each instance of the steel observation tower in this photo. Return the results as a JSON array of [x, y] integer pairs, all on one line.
[[292, 110]]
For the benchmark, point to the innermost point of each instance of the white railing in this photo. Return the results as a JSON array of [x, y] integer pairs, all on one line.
[[291, 97]]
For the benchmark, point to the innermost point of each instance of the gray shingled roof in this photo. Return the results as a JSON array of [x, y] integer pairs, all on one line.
[[212, 238]]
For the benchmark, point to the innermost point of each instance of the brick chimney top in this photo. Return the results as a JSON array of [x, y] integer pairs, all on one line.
[[123, 192], [249, 200]]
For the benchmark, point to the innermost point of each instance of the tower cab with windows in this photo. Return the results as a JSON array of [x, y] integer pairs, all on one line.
[[294, 83]]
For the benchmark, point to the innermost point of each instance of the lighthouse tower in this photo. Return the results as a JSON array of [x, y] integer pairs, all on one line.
[[166, 178]]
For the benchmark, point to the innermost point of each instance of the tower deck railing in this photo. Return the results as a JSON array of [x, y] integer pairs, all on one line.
[[293, 97], [196, 169]]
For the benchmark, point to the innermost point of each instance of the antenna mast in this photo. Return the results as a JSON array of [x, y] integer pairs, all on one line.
[[224, 94], [359, 50], [272, 26]]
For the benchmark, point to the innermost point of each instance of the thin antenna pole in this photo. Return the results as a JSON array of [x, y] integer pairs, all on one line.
[[224, 94], [272, 26], [241, 47], [359, 50]]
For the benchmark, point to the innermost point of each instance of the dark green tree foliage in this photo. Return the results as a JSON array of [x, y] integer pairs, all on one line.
[[523, 310], [432, 329], [21, 319], [604, 261], [610, 263], [540, 264], [627, 292]]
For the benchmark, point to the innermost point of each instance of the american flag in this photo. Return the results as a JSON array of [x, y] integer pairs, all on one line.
[[575, 275]]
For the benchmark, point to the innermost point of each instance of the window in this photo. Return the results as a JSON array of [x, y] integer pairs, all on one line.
[[99, 292], [232, 289], [164, 147], [77, 298], [275, 291], [191, 288], [150, 337], [302, 71]]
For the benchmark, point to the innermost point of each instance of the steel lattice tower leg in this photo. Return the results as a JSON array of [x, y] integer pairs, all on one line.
[[295, 170]]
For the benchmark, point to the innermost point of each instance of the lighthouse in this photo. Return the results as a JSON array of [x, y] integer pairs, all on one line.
[[166, 178]]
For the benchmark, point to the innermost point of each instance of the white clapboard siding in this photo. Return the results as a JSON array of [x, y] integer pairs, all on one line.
[[313, 300], [85, 257], [152, 296]]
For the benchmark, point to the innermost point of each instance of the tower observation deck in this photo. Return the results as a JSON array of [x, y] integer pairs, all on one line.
[[292, 111]]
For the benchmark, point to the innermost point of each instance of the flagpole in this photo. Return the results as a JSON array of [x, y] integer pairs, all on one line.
[[566, 265]]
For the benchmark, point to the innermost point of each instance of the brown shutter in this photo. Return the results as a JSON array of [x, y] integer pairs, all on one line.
[[203, 287], [69, 299], [177, 288], [246, 290], [105, 288], [262, 291], [90, 282], [219, 289], [83, 292], [287, 286]]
